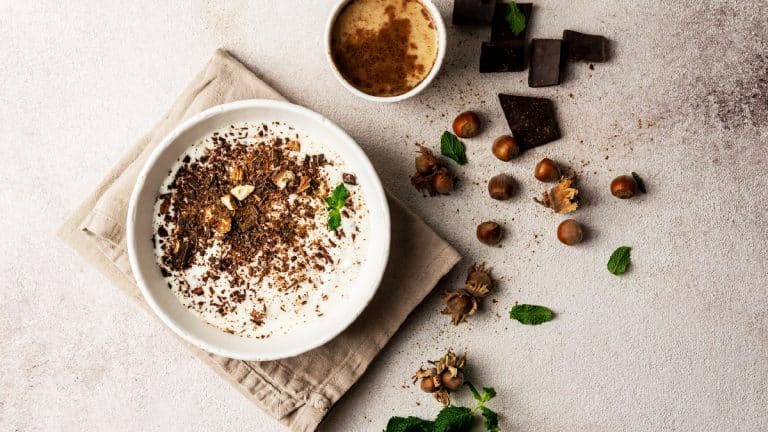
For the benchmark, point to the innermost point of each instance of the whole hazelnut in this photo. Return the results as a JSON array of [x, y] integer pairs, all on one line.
[[505, 148], [489, 233], [500, 187], [428, 385], [624, 187], [452, 383], [425, 164], [569, 232], [443, 183], [547, 171], [466, 125]]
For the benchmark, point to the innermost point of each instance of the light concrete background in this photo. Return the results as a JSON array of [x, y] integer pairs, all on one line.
[[678, 343]]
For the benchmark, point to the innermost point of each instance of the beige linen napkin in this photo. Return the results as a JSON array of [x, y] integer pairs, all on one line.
[[298, 391]]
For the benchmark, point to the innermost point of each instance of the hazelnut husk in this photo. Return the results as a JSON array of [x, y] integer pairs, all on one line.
[[489, 233], [479, 275], [562, 198], [464, 302], [459, 304], [624, 187], [547, 171], [500, 187], [505, 148], [431, 175], [426, 162], [442, 376], [569, 232], [466, 125]]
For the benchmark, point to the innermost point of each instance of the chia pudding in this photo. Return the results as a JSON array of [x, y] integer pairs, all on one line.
[[242, 232]]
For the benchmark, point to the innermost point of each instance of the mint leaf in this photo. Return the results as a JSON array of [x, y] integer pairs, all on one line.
[[452, 147], [619, 260], [338, 197], [531, 314], [639, 181], [474, 391], [335, 203], [488, 394], [491, 422], [334, 219], [409, 424], [515, 19], [454, 419]]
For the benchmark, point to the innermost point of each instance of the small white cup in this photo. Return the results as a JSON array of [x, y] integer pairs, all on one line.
[[441, 47]]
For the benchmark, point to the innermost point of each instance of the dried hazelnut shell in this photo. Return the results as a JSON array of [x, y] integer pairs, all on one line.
[[624, 187], [466, 125], [505, 148], [562, 198], [547, 171], [500, 187], [489, 233], [569, 232]]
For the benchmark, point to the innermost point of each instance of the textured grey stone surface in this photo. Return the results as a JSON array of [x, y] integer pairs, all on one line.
[[679, 343]]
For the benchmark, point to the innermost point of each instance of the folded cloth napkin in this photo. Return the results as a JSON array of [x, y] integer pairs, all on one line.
[[298, 391]]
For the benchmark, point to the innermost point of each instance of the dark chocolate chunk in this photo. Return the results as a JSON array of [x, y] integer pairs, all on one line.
[[532, 120], [349, 179], [584, 47], [502, 56], [247, 217], [473, 12], [500, 30], [545, 63], [183, 255]]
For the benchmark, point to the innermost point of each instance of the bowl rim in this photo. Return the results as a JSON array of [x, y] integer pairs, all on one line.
[[442, 41], [380, 256]]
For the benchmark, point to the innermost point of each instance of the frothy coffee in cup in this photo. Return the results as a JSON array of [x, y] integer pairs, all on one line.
[[384, 47]]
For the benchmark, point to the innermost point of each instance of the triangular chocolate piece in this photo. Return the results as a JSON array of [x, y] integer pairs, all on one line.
[[532, 120]]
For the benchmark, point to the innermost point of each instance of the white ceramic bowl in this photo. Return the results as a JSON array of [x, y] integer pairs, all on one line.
[[442, 40], [303, 337]]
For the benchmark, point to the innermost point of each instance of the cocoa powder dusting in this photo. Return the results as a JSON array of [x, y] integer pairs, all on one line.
[[378, 62]]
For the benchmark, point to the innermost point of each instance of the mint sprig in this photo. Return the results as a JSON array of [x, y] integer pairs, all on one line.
[[409, 424], [515, 19], [491, 419], [619, 261], [452, 147], [531, 314], [639, 181], [335, 203], [452, 418]]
